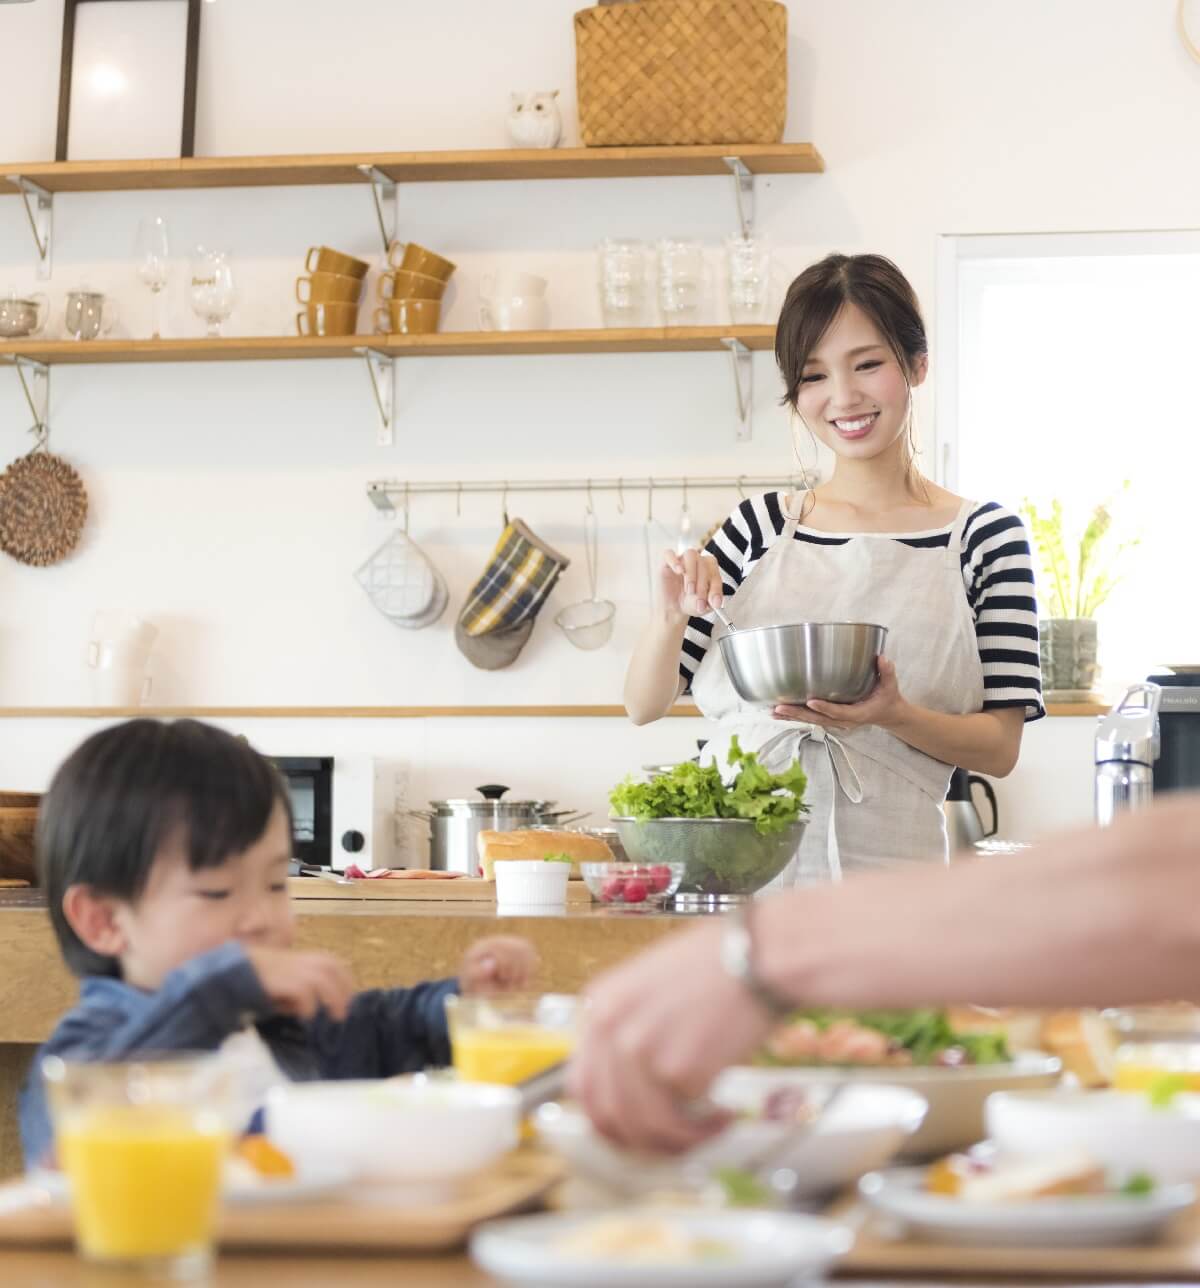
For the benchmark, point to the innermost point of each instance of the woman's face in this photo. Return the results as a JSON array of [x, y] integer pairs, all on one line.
[[853, 393]]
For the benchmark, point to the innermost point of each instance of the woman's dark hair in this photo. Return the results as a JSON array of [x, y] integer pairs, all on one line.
[[820, 293], [126, 791]]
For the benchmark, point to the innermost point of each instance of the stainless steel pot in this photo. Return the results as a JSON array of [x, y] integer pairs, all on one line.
[[455, 824]]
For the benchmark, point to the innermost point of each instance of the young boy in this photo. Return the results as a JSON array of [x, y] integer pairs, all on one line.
[[163, 849]]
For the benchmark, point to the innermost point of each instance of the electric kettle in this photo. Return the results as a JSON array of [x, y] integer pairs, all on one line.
[[963, 825]]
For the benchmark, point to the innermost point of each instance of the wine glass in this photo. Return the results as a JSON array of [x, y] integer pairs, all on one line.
[[152, 249], [213, 292]]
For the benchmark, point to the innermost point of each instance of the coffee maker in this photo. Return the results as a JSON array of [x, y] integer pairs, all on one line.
[[1178, 766]]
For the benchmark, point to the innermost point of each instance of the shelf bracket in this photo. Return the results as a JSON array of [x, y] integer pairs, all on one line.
[[381, 368], [743, 180], [383, 192], [41, 220], [39, 397], [743, 385]]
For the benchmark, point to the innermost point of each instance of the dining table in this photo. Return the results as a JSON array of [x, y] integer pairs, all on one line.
[[20, 1269]]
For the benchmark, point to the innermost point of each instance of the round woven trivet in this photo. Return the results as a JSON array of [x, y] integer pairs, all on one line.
[[43, 506]]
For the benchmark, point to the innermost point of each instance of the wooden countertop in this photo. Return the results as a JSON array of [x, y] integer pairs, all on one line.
[[385, 943]]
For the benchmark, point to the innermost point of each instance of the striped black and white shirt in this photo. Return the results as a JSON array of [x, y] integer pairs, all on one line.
[[997, 572]]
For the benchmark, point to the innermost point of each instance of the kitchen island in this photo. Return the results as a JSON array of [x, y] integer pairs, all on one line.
[[386, 944]]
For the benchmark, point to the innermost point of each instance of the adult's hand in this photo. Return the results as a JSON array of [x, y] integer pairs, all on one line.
[[882, 706], [690, 583], [659, 1028]]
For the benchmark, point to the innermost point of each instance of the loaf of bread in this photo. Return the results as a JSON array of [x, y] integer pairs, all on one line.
[[536, 843]]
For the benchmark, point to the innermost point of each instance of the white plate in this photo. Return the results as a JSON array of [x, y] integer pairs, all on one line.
[[956, 1096], [770, 1250], [312, 1183], [861, 1132], [1053, 1222]]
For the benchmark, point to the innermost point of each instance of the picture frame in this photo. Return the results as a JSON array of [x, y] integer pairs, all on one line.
[[149, 99]]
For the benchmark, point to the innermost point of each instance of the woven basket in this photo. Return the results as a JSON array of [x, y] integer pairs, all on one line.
[[43, 506], [682, 71]]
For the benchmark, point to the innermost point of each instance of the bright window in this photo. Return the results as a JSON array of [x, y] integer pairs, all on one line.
[[1067, 364]]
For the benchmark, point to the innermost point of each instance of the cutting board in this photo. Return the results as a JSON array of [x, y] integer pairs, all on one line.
[[467, 888], [878, 1252], [364, 1224]]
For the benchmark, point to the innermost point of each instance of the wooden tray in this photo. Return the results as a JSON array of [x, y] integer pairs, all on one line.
[[878, 1251], [470, 888], [368, 1224]]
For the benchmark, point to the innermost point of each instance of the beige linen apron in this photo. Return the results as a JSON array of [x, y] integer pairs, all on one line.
[[874, 800]]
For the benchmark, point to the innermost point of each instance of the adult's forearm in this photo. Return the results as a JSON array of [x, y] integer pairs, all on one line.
[[1094, 917], [652, 682], [985, 742]]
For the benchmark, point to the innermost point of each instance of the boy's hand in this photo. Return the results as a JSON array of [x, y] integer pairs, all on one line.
[[498, 963], [301, 984]]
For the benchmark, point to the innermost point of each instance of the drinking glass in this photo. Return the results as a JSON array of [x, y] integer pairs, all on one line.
[[213, 291], [508, 1039], [622, 267], [680, 278], [142, 1146], [747, 274], [152, 249]]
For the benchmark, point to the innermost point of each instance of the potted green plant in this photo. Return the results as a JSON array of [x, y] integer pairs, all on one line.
[[1078, 573]]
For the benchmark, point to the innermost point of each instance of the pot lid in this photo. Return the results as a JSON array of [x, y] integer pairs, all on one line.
[[458, 806]]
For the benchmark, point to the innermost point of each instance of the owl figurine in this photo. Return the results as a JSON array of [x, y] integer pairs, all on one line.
[[534, 120]]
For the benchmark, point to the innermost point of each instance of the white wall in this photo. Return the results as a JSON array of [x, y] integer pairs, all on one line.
[[228, 500]]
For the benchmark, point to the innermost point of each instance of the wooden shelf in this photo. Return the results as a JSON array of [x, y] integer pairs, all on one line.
[[410, 167], [443, 344], [322, 713], [394, 713]]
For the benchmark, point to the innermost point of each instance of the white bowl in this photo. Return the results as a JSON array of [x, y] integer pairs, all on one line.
[[862, 1132], [1120, 1129], [531, 882], [956, 1096], [767, 1250], [401, 1130]]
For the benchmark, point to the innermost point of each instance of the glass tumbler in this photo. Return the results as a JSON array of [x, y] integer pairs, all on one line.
[[747, 276], [142, 1146], [680, 279], [622, 271]]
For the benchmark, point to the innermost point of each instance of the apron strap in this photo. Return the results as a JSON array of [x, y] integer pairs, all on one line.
[[954, 550], [790, 521], [846, 781]]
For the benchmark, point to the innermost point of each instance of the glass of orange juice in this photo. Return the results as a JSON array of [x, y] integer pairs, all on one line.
[[508, 1039], [1155, 1047], [142, 1147]]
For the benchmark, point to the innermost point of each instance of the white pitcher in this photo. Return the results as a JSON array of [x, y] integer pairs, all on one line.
[[118, 654]]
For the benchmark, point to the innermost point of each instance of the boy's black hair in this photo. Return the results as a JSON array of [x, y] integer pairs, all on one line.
[[121, 795]]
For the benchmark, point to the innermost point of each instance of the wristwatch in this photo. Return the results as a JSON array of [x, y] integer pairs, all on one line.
[[737, 959]]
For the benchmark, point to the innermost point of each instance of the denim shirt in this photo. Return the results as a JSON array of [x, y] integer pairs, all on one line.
[[387, 1031]]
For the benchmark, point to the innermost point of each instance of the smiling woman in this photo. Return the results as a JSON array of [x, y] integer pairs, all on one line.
[[950, 579]]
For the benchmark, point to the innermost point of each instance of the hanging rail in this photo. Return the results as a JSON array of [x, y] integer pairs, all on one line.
[[381, 492]]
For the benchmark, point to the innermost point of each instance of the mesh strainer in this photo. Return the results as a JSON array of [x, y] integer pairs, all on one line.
[[588, 623]]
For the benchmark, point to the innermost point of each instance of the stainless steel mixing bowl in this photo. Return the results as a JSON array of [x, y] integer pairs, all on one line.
[[721, 856], [831, 661]]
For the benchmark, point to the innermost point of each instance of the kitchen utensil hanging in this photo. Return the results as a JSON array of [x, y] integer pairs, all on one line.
[[588, 623], [43, 503], [402, 583], [655, 539]]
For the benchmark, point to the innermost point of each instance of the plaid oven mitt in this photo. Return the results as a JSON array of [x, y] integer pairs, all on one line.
[[498, 615]]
